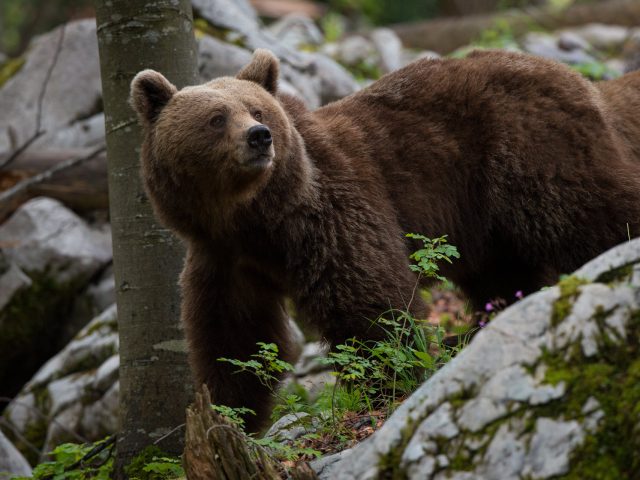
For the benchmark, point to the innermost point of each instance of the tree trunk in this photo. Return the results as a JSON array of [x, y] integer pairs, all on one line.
[[154, 376], [444, 35]]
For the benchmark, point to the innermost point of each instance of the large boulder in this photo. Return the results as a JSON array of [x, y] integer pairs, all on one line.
[[73, 396], [549, 388], [48, 256], [236, 17], [314, 77], [12, 463], [72, 93]]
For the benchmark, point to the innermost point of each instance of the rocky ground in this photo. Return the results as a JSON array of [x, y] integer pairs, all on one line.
[[489, 410]]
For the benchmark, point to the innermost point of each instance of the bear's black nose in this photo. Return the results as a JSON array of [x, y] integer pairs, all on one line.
[[259, 136]]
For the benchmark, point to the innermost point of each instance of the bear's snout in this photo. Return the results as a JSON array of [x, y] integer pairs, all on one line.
[[259, 137]]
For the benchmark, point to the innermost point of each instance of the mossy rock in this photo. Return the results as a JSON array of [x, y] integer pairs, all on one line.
[[550, 389]]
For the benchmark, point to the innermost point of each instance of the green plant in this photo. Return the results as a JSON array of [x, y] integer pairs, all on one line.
[[595, 70], [164, 467], [233, 414], [285, 451], [332, 25], [72, 461], [94, 461], [265, 364], [378, 374], [434, 250], [154, 464]]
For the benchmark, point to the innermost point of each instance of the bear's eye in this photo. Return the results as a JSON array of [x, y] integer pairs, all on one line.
[[257, 115], [217, 121]]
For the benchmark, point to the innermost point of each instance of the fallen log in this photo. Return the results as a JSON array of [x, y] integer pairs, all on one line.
[[444, 35], [82, 187]]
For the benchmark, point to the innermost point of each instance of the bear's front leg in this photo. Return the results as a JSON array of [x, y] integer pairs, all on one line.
[[226, 312]]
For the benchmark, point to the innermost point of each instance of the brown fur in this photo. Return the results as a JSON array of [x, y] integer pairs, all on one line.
[[529, 169]]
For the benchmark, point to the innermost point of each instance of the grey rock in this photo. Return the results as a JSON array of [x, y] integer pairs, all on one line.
[[12, 281], [291, 427], [334, 81], [66, 391], [94, 344], [62, 428], [513, 384], [611, 261], [572, 41], [44, 236], [324, 466], [102, 294], [309, 359], [601, 36], [593, 414], [551, 446], [296, 30], [86, 132], [218, 59], [21, 412], [305, 84], [389, 48], [229, 15], [582, 325], [631, 52], [547, 46], [506, 453], [75, 394], [107, 374], [68, 97], [101, 418], [487, 398], [616, 68], [296, 334], [356, 49], [12, 463], [315, 383], [247, 9], [59, 253], [480, 412]]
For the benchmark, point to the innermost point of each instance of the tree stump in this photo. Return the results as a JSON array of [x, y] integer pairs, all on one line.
[[215, 449]]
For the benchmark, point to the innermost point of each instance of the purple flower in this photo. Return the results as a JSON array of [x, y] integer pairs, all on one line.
[[519, 294], [482, 323], [489, 307]]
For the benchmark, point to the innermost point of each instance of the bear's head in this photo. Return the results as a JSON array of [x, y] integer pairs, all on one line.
[[210, 147]]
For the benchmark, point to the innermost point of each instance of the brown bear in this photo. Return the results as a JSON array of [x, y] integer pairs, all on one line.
[[530, 169]]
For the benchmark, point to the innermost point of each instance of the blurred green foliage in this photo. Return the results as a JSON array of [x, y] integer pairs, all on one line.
[[382, 12], [20, 20]]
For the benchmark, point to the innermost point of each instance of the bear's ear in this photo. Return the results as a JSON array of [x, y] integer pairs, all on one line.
[[263, 70], [150, 92]]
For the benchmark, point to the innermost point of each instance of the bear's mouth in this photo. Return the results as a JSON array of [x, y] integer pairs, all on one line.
[[259, 162]]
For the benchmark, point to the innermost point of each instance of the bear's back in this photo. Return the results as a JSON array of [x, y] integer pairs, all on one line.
[[496, 147]]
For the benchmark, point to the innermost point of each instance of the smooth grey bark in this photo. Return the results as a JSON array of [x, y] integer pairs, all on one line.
[[154, 377]]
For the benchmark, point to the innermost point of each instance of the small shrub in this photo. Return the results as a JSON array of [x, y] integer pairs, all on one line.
[[72, 461], [434, 250]]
